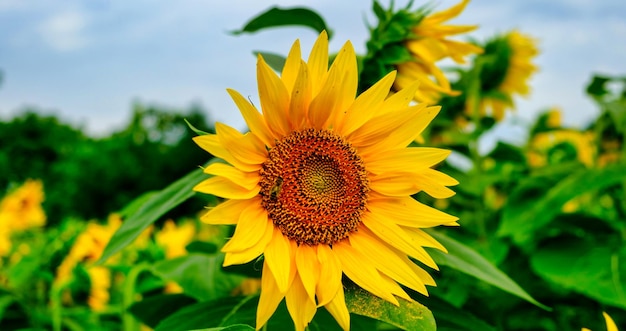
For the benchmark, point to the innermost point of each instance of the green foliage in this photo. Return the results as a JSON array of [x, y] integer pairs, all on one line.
[[90, 177], [276, 17], [408, 316]]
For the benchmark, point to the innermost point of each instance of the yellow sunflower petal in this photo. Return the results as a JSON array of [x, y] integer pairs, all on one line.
[[401, 99], [396, 184], [270, 297], [610, 324], [254, 119], [246, 180], [279, 258], [447, 14], [395, 236], [246, 148], [381, 127], [299, 305], [412, 158], [308, 268], [339, 89], [433, 183], [405, 133], [337, 307], [250, 230], [300, 98], [225, 188], [291, 68], [212, 144], [394, 287], [227, 212], [426, 240], [251, 253], [330, 275], [409, 212], [318, 63], [364, 275], [274, 98], [386, 260], [365, 106]]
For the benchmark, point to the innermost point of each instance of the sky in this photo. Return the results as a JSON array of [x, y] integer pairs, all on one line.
[[89, 61]]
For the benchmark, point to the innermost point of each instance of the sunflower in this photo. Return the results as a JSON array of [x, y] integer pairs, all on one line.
[[429, 44], [509, 72], [321, 186]]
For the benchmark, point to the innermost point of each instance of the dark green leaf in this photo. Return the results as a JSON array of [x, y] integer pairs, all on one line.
[[597, 86], [275, 61], [201, 276], [451, 318], [211, 314], [157, 205], [407, 316], [201, 247], [520, 222], [596, 271], [468, 261], [154, 309], [276, 16]]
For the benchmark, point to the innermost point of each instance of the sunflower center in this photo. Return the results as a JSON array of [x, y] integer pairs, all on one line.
[[314, 187]]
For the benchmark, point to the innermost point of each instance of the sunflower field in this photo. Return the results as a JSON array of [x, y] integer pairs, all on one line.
[[361, 197]]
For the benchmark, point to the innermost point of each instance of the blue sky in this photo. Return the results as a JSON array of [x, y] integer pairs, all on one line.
[[88, 61]]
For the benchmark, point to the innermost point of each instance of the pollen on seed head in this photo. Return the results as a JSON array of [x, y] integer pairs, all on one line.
[[314, 187]]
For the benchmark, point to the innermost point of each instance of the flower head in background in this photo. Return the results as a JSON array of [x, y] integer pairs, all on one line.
[[20, 210], [507, 68], [321, 185], [413, 42], [175, 238], [429, 44]]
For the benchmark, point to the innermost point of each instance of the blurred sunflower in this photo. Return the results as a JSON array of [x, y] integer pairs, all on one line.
[[175, 238], [428, 44], [321, 186], [88, 247], [100, 278], [508, 65], [551, 143], [20, 210]]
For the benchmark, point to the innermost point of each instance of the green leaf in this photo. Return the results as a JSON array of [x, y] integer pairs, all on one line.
[[520, 221], [597, 86], [154, 309], [276, 16], [201, 247], [199, 275], [451, 318], [196, 130], [157, 205], [211, 314], [468, 261], [275, 61], [407, 316], [5, 302], [596, 271]]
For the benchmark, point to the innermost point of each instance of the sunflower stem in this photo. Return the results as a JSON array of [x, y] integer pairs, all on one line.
[[128, 297]]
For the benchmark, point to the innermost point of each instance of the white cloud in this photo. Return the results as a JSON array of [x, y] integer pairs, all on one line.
[[65, 31]]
